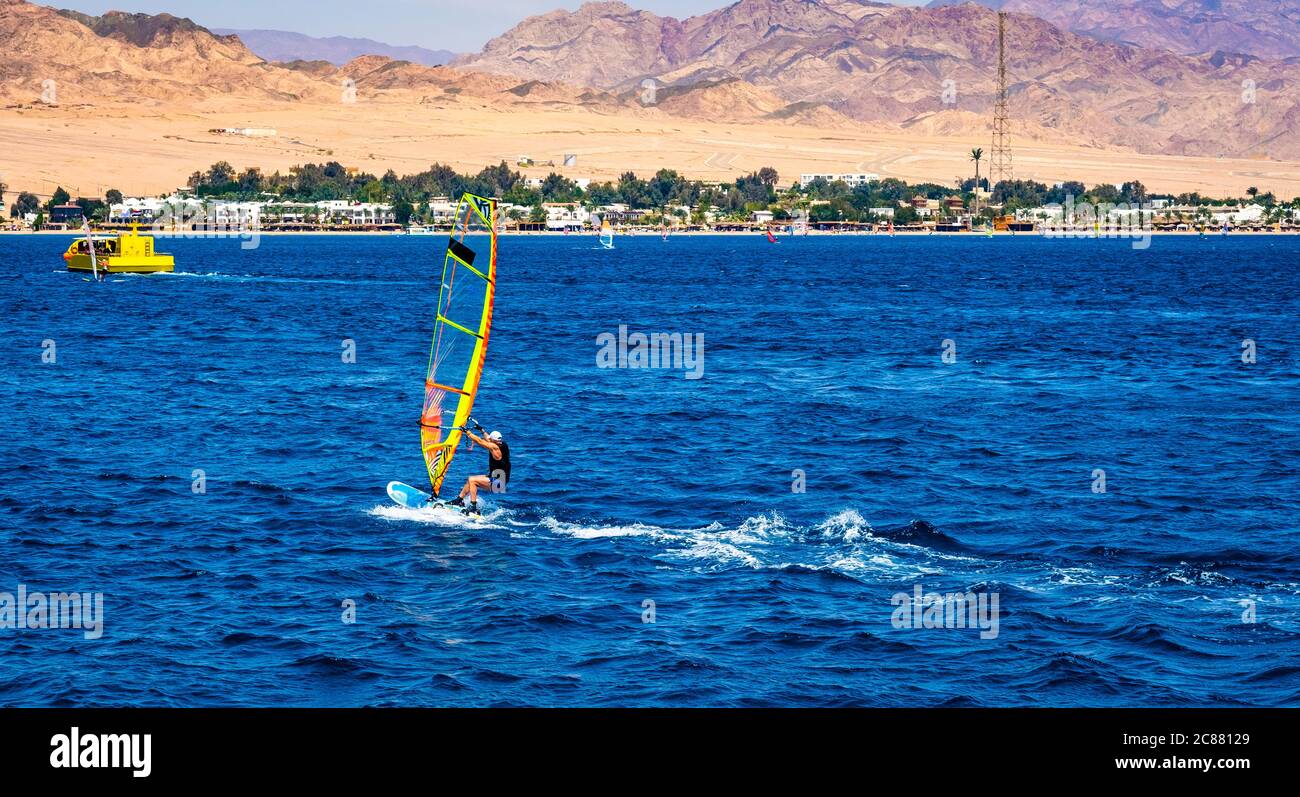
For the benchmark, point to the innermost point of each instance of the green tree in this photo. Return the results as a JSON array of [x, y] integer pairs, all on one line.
[[26, 203], [906, 215], [250, 181], [220, 173], [558, 188], [403, 211], [113, 196], [93, 209], [60, 197], [663, 187], [632, 190]]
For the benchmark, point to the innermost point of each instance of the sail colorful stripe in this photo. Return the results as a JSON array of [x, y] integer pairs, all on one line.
[[462, 322]]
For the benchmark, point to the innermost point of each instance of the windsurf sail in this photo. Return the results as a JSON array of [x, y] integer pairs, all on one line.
[[771, 238], [606, 234], [460, 333], [90, 247]]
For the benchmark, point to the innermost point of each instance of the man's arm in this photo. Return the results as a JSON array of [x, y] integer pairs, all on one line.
[[486, 443]]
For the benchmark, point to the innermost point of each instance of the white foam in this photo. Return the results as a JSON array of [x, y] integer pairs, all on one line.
[[441, 516], [846, 525], [843, 542]]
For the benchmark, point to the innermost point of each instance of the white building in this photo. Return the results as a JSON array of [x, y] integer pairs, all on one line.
[[342, 211], [853, 179], [234, 214], [565, 215], [251, 132], [441, 209], [1251, 214], [142, 209]]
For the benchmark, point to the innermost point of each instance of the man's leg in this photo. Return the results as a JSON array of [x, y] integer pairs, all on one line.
[[474, 483]]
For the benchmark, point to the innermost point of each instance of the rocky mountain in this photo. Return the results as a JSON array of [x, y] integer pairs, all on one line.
[[172, 62], [280, 45], [882, 63], [1264, 28], [74, 58], [168, 61], [809, 62], [160, 32]]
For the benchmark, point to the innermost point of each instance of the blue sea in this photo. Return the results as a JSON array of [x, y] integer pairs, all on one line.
[[1065, 427]]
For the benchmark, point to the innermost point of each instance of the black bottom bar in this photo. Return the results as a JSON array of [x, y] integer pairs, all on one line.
[[330, 746]]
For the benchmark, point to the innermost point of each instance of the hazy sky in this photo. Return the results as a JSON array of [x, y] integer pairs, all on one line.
[[440, 24]]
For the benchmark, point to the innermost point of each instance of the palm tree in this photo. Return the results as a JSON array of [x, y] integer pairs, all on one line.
[[975, 155]]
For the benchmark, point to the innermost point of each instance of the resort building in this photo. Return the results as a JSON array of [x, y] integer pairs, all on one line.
[[342, 211], [926, 207], [69, 215], [565, 215], [853, 179]]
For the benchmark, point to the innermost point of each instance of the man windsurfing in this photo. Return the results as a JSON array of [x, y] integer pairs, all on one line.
[[498, 470]]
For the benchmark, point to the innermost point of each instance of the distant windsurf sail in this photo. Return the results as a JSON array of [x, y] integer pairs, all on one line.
[[90, 247], [460, 333], [606, 234]]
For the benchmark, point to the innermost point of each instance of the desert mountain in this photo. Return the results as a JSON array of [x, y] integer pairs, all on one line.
[[161, 31], [132, 57], [822, 63], [1264, 28], [172, 62], [882, 63], [281, 45]]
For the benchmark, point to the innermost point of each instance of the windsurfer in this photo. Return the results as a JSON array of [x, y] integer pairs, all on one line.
[[498, 471]]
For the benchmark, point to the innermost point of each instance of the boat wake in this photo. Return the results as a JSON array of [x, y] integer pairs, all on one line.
[[844, 543]]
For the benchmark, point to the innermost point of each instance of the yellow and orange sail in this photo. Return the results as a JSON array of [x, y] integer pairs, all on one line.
[[460, 334]]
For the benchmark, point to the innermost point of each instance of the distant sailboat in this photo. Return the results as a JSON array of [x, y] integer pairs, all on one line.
[[606, 234]]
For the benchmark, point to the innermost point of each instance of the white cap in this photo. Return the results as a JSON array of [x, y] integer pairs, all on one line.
[[494, 436]]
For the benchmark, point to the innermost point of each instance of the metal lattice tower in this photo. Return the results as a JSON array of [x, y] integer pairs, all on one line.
[[1000, 157]]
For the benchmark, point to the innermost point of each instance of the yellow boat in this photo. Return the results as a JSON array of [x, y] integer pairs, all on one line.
[[124, 253]]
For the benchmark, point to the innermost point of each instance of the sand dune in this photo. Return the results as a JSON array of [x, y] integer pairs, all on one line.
[[138, 97], [88, 150]]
